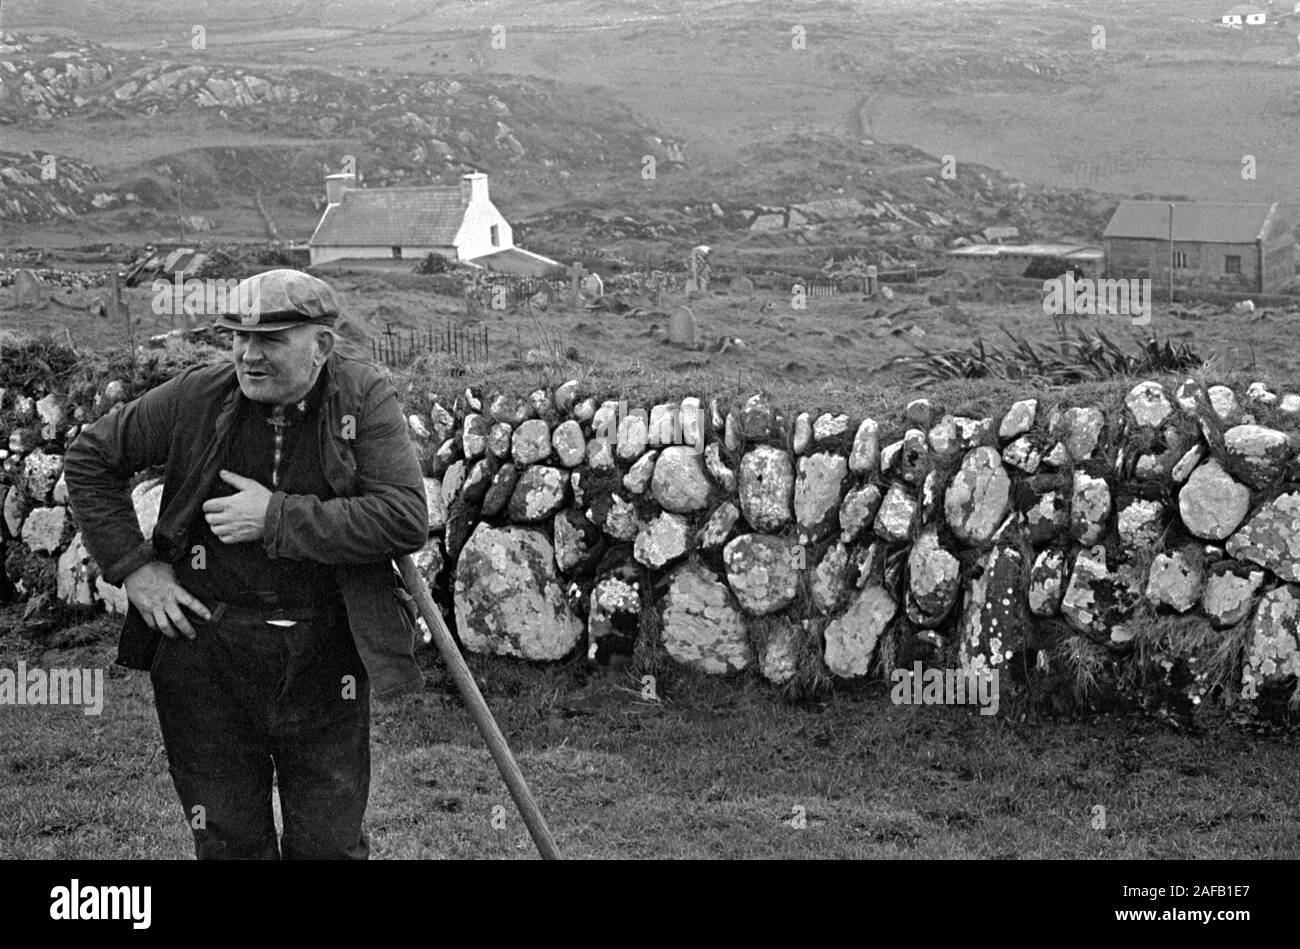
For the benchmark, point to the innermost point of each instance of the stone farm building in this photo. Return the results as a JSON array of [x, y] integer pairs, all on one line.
[[458, 222], [1235, 247]]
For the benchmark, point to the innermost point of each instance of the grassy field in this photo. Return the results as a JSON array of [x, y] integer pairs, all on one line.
[[716, 769], [829, 349]]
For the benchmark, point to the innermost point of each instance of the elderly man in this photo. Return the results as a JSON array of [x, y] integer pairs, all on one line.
[[265, 605]]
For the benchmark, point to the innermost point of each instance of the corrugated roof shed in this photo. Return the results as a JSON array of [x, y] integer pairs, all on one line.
[[1197, 223], [391, 217]]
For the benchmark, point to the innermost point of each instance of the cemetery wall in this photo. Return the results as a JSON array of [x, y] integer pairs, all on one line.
[[1148, 553]]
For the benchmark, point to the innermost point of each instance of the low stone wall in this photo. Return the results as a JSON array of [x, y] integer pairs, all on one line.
[[1085, 553]]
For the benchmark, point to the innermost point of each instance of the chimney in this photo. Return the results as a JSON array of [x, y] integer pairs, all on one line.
[[335, 186], [474, 187]]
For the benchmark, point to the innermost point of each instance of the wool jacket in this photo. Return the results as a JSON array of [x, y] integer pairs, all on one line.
[[379, 510]]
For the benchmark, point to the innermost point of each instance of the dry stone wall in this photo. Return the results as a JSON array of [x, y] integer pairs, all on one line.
[[1076, 550]]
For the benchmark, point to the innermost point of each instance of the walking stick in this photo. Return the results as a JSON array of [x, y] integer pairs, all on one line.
[[479, 711]]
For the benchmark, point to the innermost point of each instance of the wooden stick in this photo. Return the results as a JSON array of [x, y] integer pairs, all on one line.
[[478, 710]]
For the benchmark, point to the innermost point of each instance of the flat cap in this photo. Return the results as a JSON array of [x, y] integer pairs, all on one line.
[[279, 299]]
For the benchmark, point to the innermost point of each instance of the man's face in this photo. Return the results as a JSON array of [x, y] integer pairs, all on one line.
[[279, 367]]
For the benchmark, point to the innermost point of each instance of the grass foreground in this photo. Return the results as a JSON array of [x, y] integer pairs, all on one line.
[[715, 769]]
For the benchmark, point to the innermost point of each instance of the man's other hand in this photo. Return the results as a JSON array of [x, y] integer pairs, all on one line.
[[153, 590], [239, 517]]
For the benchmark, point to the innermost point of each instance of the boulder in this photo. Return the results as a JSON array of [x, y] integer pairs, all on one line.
[[1140, 523], [1089, 508], [437, 510], [851, 639], [1082, 431], [701, 626], [718, 470], [761, 571], [803, 433], [500, 491], [539, 493], [474, 436], [1148, 404], [40, 473], [498, 440], [1211, 503], [75, 575], [865, 454], [978, 496], [766, 486], [1019, 419], [993, 624], [933, 576], [508, 598], [817, 493], [1047, 582], [1229, 596], [829, 584], [1176, 580], [857, 511], [1257, 455], [638, 476], [44, 527], [569, 444], [664, 539], [1271, 538], [531, 442], [679, 483], [717, 529], [896, 515], [1273, 652]]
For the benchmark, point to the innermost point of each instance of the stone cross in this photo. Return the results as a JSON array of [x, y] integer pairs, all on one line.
[[576, 273]]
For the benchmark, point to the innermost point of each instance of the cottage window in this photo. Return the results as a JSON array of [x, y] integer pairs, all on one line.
[[397, 253], [1232, 264], [496, 236], [1180, 259]]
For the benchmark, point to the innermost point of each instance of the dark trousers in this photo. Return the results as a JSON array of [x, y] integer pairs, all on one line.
[[246, 701]]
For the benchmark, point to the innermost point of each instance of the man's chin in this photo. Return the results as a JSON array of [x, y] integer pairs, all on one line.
[[257, 390]]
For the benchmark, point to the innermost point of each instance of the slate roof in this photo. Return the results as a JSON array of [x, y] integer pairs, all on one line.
[[520, 262], [389, 217], [1196, 223]]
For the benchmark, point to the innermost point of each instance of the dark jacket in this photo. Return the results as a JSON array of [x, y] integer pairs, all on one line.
[[379, 512]]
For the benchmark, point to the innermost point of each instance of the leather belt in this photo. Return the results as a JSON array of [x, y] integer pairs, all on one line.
[[277, 616]]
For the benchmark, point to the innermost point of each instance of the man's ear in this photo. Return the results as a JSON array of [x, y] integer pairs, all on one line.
[[324, 344]]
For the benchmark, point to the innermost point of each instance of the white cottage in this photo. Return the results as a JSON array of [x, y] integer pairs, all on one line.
[[458, 222]]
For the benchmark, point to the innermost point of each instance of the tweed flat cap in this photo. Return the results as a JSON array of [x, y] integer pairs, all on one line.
[[279, 299]]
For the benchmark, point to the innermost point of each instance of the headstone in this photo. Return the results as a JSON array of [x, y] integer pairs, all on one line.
[[681, 327], [576, 273], [28, 289], [873, 280], [593, 286], [743, 286]]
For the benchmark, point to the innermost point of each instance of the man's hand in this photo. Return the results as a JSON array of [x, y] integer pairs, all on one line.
[[153, 590], [239, 517]]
